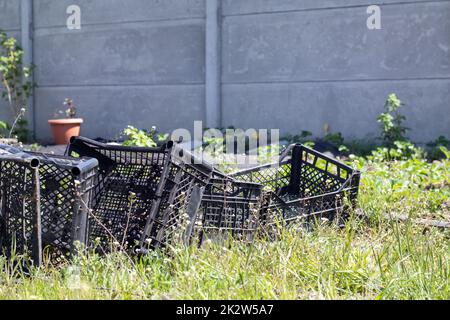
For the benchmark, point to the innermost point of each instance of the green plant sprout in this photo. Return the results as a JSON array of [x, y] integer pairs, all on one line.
[[392, 122]]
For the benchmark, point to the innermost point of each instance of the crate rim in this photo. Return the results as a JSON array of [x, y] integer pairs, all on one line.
[[116, 147], [78, 166]]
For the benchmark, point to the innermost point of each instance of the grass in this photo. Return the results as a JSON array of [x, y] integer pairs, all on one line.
[[414, 187], [386, 261], [373, 259]]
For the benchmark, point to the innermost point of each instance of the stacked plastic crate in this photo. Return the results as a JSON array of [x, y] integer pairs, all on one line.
[[140, 199], [305, 184], [146, 198], [45, 203]]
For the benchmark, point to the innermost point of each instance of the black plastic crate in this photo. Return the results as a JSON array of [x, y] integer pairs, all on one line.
[[174, 216], [305, 184], [145, 197], [230, 208], [45, 201]]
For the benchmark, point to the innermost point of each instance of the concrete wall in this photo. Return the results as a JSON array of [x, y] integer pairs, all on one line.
[[134, 62], [296, 65], [288, 64]]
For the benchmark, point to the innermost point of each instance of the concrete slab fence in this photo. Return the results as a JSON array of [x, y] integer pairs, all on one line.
[[288, 64]]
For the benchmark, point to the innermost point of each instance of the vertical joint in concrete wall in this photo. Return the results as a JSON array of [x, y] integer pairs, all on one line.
[[213, 63], [26, 21]]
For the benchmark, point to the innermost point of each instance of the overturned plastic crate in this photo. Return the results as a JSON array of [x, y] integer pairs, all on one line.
[[305, 184], [145, 198], [230, 208], [174, 216], [44, 203]]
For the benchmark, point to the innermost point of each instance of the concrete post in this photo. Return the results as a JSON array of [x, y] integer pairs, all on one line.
[[213, 64], [26, 20]]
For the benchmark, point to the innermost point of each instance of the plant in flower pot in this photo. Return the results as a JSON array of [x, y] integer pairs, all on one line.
[[64, 128]]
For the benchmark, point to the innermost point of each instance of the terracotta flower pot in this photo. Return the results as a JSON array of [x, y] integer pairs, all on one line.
[[63, 129]]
